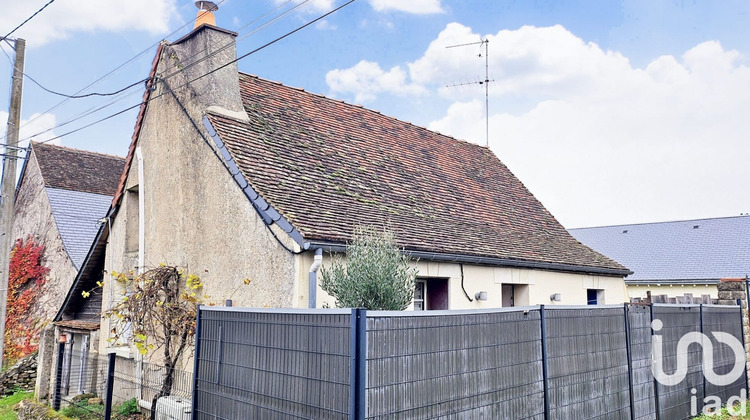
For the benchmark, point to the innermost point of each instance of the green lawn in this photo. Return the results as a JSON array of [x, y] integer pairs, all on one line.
[[7, 403]]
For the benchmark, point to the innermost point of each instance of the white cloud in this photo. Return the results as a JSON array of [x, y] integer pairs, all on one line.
[[35, 124], [60, 20], [608, 143], [366, 79], [325, 25], [314, 6], [420, 7], [597, 140]]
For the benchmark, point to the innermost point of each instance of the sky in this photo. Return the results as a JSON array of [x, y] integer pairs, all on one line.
[[610, 112]]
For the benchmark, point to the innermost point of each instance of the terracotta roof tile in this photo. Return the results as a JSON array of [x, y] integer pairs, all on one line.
[[78, 170], [327, 166]]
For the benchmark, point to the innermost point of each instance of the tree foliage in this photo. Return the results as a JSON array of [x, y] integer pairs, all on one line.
[[158, 311], [26, 275], [376, 274]]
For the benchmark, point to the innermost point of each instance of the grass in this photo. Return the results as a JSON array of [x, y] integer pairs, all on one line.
[[724, 415], [7, 403], [83, 411]]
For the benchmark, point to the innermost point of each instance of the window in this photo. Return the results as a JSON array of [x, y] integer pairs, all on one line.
[[431, 294], [595, 296], [131, 220], [515, 295]]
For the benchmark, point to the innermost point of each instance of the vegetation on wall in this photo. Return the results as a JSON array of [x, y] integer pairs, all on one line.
[[376, 274], [157, 311], [26, 275]]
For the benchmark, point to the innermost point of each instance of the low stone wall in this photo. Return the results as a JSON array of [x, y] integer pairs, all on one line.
[[22, 375], [31, 410]]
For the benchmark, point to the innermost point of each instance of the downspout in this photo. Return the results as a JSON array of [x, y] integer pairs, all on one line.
[[313, 280], [141, 211]]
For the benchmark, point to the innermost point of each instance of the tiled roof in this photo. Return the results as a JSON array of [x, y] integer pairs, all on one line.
[[77, 216], [78, 170], [684, 251], [328, 166]]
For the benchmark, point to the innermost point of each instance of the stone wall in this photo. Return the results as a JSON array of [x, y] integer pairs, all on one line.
[[22, 375], [730, 292]]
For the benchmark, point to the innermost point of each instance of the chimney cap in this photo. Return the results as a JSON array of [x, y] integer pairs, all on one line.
[[207, 5]]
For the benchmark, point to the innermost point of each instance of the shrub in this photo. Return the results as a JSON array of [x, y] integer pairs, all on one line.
[[376, 274]]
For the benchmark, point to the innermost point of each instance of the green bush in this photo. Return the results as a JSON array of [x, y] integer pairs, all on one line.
[[376, 274], [128, 407]]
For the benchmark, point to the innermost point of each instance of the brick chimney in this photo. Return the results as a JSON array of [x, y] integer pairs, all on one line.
[[196, 65]]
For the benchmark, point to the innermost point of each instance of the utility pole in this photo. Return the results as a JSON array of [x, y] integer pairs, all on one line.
[[8, 188]]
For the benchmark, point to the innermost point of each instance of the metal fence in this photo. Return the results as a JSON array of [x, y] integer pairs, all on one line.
[[534, 362], [82, 382]]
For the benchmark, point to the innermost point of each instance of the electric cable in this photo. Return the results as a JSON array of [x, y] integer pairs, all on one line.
[[28, 19], [193, 80]]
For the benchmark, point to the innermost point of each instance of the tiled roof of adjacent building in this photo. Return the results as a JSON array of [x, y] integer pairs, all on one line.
[[78, 170], [703, 250], [79, 185], [328, 166]]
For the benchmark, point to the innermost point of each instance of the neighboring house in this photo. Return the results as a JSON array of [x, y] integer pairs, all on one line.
[[234, 177], [674, 258], [63, 194]]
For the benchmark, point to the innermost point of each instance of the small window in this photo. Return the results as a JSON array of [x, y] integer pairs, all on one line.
[[431, 294], [419, 288], [595, 296]]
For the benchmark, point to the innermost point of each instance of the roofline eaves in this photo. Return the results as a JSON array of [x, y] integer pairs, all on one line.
[[491, 261]]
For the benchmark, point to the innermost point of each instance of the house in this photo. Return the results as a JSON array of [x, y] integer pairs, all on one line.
[[675, 258], [62, 195], [234, 177]]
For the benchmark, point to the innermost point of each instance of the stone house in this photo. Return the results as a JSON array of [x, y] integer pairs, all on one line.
[[675, 258], [235, 177], [62, 196]]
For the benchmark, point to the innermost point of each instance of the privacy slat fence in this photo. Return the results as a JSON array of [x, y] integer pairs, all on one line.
[[536, 362]]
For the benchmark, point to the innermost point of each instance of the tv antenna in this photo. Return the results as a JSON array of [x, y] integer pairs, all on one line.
[[486, 43]]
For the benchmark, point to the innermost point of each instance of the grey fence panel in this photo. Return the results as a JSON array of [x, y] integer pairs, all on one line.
[[587, 363], [675, 401], [273, 364], [724, 319], [640, 355], [476, 365]]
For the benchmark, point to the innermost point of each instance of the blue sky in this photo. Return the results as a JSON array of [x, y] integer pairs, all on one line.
[[609, 111]]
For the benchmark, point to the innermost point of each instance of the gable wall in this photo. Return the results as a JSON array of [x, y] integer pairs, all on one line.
[[196, 217], [33, 216]]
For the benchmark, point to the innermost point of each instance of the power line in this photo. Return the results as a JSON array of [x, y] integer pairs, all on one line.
[[193, 80], [29, 18], [89, 112]]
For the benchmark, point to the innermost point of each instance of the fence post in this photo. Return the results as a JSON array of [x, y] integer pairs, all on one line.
[[630, 359], [545, 377], [358, 364], [196, 356], [656, 383], [110, 386], [58, 376], [703, 374]]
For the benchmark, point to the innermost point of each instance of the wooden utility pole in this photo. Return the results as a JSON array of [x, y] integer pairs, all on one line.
[[8, 188]]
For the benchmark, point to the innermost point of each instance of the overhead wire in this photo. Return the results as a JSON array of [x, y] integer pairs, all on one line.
[[196, 78], [28, 19], [96, 109]]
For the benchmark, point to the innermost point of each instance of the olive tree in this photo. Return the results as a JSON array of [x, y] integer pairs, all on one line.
[[375, 275]]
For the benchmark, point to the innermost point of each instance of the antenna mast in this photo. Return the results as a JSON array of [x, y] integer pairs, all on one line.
[[486, 82]]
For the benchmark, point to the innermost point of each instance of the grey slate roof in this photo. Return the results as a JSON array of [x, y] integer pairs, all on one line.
[[690, 251], [77, 216]]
